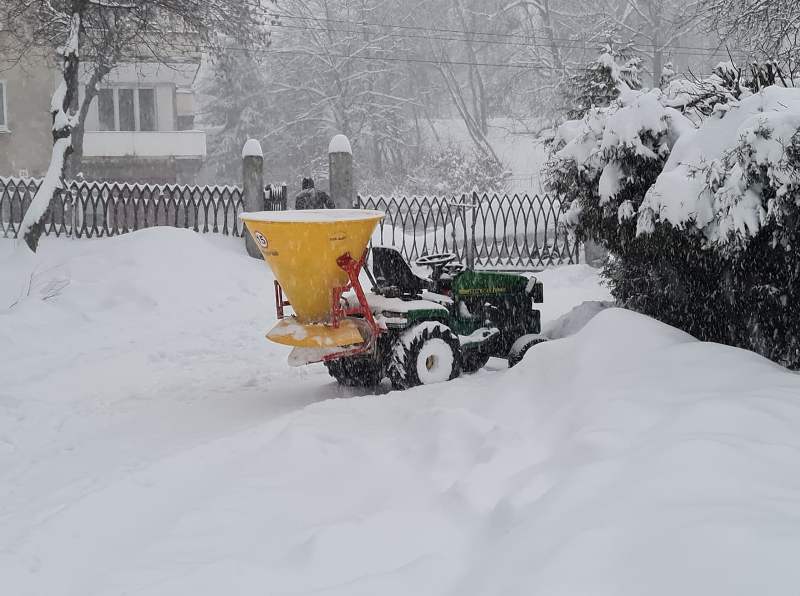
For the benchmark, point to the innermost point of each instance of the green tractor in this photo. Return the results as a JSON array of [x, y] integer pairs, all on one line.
[[441, 323]]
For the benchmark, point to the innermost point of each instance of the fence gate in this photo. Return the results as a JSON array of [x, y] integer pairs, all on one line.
[[489, 231], [96, 209]]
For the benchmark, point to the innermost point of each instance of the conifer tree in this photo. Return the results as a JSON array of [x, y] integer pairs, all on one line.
[[597, 85]]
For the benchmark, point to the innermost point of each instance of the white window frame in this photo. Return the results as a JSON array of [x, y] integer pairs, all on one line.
[[137, 125], [4, 106]]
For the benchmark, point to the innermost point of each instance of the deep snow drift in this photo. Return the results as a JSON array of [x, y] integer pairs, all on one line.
[[153, 443]]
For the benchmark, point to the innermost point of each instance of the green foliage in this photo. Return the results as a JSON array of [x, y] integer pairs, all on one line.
[[599, 148]]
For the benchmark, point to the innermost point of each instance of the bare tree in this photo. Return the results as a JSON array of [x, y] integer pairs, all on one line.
[[764, 30], [562, 36], [102, 33], [474, 63], [331, 71], [653, 27]]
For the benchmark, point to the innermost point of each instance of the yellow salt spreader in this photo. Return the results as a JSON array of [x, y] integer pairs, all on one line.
[[316, 257]]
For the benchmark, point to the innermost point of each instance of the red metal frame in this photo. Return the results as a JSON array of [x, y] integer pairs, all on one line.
[[338, 311]]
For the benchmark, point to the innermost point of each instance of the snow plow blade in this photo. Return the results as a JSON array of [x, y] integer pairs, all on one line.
[[290, 332]]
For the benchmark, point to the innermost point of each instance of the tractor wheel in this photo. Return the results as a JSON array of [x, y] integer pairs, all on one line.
[[521, 346], [425, 354], [474, 361], [355, 372]]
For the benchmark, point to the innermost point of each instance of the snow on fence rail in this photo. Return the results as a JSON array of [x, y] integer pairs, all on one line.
[[501, 231], [95, 209]]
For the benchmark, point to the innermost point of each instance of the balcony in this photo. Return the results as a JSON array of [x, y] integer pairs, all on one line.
[[184, 144]]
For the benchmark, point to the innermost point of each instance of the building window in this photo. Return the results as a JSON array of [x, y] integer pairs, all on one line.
[[147, 109], [105, 108], [3, 107], [127, 115], [127, 109]]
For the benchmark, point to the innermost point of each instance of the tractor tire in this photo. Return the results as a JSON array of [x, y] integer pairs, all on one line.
[[355, 372], [473, 362], [425, 354], [521, 347]]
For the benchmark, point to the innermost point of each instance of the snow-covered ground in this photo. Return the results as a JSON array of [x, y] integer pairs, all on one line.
[[153, 443]]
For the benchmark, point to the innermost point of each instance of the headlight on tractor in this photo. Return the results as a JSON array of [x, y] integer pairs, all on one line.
[[393, 319], [390, 314]]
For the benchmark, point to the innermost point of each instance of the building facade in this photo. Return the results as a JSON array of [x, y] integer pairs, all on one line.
[[25, 135], [139, 127]]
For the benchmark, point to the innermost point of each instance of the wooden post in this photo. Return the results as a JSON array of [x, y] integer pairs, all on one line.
[[340, 172], [252, 187]]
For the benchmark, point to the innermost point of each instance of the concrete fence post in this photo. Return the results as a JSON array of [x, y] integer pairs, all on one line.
[[340, 172], [252, 187]]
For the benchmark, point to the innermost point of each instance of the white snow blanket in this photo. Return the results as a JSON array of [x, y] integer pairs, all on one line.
[[706, 182], [153, 443]]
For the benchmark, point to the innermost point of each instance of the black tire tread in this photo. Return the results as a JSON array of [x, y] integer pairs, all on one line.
[[515, 358], [403, 374], [354, 372]]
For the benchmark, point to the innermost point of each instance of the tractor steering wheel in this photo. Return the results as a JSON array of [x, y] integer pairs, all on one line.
[[436, 260]]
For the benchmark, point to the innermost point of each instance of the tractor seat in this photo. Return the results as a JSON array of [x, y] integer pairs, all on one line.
[[391, 269]]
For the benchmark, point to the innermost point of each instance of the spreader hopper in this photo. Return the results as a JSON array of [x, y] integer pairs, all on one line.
[[316, 255]]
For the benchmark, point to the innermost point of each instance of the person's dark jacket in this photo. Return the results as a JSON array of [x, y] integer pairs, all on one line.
[[311, 198]]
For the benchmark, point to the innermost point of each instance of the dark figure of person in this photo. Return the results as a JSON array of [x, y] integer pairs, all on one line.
[[311, 198]]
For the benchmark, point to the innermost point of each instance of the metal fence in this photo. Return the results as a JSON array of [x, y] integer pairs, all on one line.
[[490, 231], [96, 209]]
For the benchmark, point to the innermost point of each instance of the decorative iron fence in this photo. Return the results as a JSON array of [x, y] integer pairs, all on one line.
[[490, 231], [96, 209]]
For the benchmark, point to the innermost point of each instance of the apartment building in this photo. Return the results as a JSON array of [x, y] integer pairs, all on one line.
[[140, 127]]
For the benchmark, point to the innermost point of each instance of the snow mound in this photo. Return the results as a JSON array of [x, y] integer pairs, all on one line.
[[17, 270], [159, 280], [568, 286], [575, 320], [152, 443], [659, 470]]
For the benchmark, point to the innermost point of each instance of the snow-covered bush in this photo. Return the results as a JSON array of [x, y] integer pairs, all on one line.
[[733, 188], [699, 98], [603, 164], [703, 224]]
